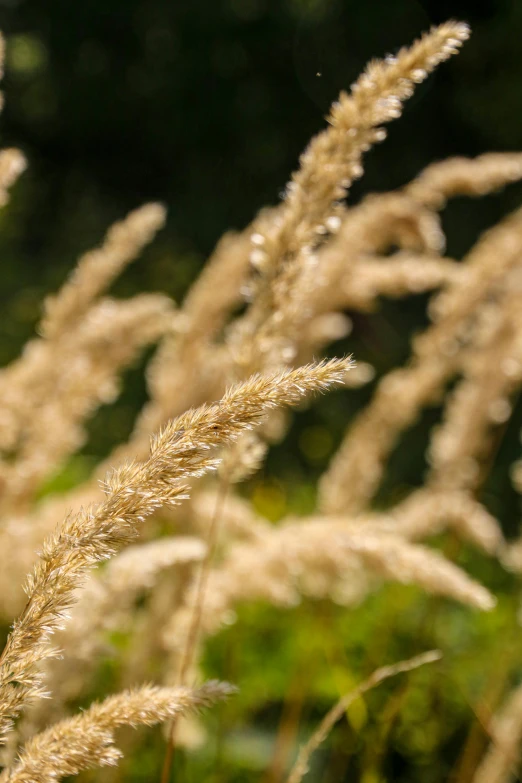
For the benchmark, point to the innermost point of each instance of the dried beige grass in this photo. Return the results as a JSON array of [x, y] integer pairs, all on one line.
[[87, 739], [85, 377], [300, 266], [465, 177], [75, 326], [311, 208], [437, 353], [106, 602], [97, 269], [185, 448], [320, 558]]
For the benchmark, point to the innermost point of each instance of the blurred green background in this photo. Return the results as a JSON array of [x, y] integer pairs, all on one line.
[[206, 105]]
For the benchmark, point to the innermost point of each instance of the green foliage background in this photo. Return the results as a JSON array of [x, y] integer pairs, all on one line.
[[206, 105]]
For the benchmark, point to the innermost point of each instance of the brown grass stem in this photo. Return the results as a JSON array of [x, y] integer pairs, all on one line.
[[300, 767], [195, 625]]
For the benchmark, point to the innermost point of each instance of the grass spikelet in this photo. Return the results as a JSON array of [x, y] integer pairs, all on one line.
[[97, 269], [87, 739], [184, 448]]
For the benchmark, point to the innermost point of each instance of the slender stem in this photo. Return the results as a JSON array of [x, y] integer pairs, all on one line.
[[192, 637], [300, 767]]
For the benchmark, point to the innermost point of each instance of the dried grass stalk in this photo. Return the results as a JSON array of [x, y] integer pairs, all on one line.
[[465, 177], [84, 377], [302, 763], [97, 269], [321, 558], [185, 448], [331, 161], [87, 739], [327, 168]]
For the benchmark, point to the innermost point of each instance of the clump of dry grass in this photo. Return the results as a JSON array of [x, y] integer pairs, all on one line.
[[215, 376]]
